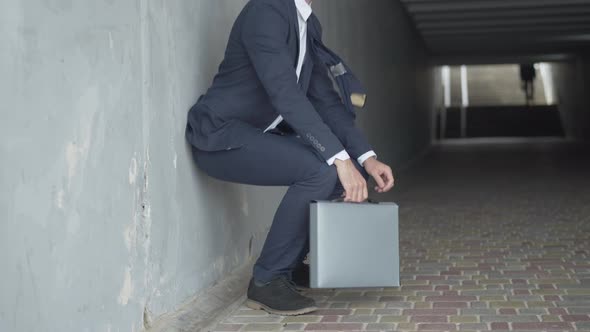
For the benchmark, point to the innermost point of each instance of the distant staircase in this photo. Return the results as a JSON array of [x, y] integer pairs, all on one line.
[[503, 121]]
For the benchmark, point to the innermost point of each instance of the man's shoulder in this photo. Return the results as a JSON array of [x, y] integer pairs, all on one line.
[[281, 5], [268, 10]]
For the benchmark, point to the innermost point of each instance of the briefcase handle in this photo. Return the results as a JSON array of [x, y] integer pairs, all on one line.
[[341, 200]]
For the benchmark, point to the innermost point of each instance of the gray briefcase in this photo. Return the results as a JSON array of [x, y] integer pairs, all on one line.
[[353, 245]]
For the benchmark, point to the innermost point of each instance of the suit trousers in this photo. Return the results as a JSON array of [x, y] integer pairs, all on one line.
[[279, 159]]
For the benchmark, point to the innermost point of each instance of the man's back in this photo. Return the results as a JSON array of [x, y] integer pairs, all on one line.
[[237, 94], [527, 72]]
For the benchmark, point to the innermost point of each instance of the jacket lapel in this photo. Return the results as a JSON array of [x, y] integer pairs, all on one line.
[[306, 70], [294, 29]]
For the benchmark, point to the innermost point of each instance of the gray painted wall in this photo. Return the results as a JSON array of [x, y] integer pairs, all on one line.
[[103, 214]]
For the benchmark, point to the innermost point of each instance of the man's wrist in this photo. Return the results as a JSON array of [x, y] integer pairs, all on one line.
[[342, 155], [370, 161], [369, 154], [340, 162]]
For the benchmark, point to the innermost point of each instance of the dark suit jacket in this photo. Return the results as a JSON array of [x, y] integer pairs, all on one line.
[[257, 81]]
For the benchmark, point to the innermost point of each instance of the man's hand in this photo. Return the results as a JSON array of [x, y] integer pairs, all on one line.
[[381, 173], [354, 184]]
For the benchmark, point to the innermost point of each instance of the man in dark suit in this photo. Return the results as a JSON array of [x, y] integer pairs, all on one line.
[[273, 118]]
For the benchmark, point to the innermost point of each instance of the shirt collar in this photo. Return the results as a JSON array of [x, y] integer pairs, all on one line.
[[303, 8]]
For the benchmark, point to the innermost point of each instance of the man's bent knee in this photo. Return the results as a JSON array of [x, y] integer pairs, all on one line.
[[327, 178]]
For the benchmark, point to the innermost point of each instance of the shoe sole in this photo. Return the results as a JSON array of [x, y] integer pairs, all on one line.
[[259, 306]]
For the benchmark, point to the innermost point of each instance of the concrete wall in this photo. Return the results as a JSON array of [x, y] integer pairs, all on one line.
[[380, 43], [571, 81], [584, 82], [104, 219]]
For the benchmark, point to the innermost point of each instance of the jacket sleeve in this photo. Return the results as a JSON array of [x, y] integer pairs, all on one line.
[[265, 30], [328, 104]]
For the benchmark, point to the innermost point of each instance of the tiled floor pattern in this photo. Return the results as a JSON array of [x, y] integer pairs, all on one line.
[[494, 237]]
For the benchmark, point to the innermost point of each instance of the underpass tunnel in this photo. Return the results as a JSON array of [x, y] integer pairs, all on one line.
[[500, 203], [107, 223], [501, 100], [472, 34]]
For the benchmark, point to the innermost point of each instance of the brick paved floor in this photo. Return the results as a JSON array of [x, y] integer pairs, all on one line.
[[494, 237]]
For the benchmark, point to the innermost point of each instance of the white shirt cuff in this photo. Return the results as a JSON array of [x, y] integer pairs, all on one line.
[[342, 155], [366, 156]]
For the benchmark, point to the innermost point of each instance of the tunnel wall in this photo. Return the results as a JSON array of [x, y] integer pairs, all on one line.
[[572, 85], [103, 215], [585, 83]]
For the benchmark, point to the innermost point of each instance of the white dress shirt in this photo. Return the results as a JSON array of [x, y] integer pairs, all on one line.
[[304, 12]]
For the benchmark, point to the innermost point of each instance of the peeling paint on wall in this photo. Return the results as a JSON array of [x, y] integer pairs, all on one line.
[[126, 289], [133, 171], [129, 234], [146, 165], [73, 154], [146, 208]]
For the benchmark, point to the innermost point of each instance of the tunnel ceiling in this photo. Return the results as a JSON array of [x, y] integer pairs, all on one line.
[[501, 27]]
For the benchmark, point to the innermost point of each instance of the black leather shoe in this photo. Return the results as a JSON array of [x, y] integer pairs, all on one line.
[[301, 277], [279, 297]]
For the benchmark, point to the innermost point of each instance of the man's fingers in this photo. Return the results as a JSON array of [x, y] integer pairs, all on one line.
[[379, 180], [355, 193], [390, 180], [350, 193], [358, 193]]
